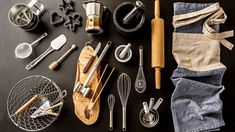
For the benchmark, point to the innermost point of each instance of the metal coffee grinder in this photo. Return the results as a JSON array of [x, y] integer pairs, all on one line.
[[94, 12]]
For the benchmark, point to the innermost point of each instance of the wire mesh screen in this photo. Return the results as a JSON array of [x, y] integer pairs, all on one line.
[[23, 91]]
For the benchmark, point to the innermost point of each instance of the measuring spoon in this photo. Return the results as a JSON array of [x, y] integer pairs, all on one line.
[[151, 103], [56, 44], [24, 50], [158, 103]]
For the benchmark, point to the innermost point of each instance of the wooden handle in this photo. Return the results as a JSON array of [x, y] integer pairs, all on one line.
[[77, 79], [54, 106], [157, 9], [88, 64], [158, 78], [158, 55], [50, 113], [158, 43], [26, 105]]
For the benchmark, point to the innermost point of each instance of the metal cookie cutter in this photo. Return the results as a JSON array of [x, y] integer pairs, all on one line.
[[56, 18], [73, 21], [66, 6]]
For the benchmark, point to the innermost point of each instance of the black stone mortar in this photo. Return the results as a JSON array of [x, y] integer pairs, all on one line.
[[135, 24]]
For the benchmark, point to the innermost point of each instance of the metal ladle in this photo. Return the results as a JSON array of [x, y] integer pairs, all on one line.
[[24, 50]]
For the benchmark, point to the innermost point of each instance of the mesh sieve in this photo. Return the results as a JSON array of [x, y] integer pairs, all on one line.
[[23, 91]]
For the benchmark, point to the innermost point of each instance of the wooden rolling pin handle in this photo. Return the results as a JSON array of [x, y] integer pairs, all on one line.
[[26, 105], [157, 9], [158, 78]]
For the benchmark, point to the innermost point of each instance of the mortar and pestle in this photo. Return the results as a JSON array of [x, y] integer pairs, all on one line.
[[123, 53], [129, 18]]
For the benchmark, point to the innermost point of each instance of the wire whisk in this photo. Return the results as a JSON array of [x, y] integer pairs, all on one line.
[[111, 102], [124, 88]]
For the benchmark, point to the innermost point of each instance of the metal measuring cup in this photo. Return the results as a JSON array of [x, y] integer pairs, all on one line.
[[24, 50], [149, 117], [26, 16]]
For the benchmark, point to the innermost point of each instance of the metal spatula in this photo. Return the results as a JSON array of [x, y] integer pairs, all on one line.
[[56, 44]]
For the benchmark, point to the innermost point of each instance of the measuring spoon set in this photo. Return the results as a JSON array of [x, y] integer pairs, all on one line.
[[24, 50]]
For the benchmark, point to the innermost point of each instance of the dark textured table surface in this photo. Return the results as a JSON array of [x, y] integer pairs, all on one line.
[[12, 70]]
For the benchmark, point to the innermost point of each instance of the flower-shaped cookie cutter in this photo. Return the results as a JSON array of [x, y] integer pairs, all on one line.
[[66, 6], [73, 21]]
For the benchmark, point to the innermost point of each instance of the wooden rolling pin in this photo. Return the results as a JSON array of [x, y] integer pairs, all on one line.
[[157, 44]]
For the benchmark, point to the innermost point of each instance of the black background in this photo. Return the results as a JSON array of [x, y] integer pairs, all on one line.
[[12, 70]]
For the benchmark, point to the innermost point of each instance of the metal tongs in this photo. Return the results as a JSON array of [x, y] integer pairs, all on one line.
[[47, 107]]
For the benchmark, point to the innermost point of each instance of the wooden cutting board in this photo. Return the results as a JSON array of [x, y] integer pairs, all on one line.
[[80, 102]]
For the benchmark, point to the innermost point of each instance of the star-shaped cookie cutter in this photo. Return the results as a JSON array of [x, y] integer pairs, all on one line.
[[73, 21], [66, 6]]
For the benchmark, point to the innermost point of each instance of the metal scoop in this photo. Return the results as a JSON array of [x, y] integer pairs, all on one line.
[[56, 44], [140, 83], [24, 50]]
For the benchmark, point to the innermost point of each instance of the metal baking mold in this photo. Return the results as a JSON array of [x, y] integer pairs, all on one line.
[[56, 18], [73, 21], [66, 6]]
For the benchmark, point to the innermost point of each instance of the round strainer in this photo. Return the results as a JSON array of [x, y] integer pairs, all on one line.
[[23, 91], [23, 50]]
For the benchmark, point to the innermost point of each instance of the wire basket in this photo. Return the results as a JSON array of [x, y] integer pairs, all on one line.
[[23, 91]]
